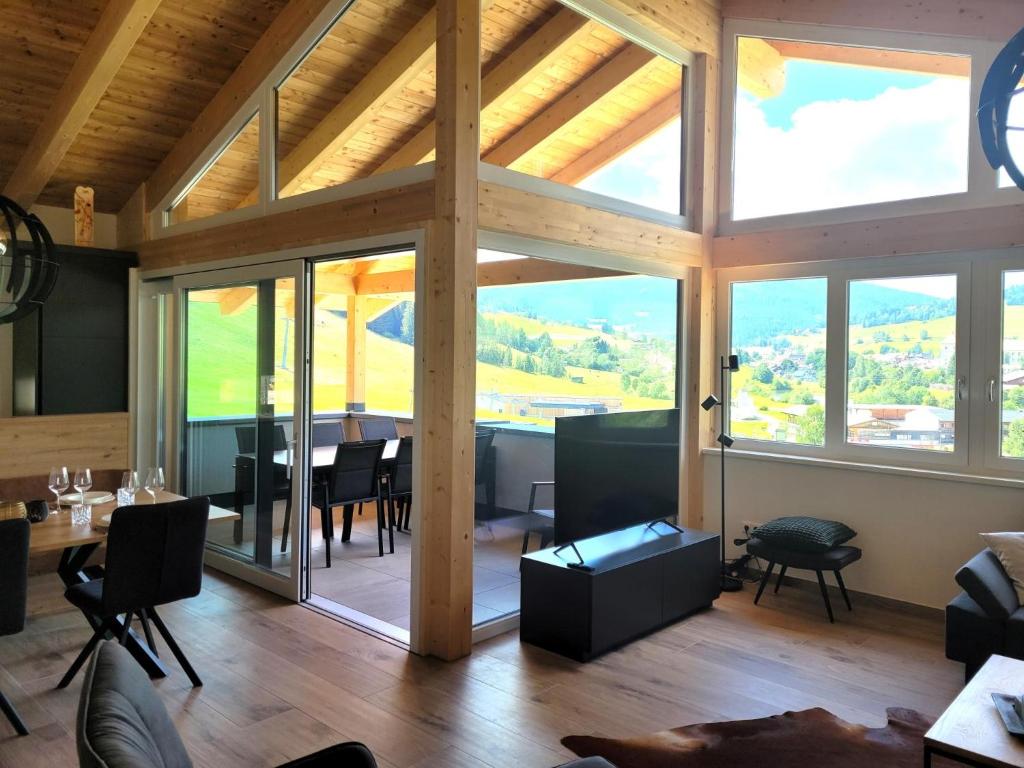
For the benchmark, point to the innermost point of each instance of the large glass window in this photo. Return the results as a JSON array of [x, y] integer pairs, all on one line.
[[601, 114], [1011, 418], [778, 331], [553, 341], [822, 126], [901, 380]]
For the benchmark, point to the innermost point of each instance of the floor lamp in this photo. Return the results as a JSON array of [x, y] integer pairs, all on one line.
[[727, 365]]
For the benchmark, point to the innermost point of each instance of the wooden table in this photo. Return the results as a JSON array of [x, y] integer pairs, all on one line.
[[971, 731], [77, 543]]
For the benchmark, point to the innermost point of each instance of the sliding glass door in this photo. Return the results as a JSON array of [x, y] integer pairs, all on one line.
[[241, 385]]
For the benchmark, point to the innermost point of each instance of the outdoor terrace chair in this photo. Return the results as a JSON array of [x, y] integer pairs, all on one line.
[[354, 478]]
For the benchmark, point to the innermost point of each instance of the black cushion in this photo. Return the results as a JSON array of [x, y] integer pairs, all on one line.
[[121, 721], [833, 560], [971, 634], [985, 580], [804, 534]]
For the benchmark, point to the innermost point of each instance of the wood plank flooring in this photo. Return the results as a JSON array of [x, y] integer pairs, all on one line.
[[282, 681]]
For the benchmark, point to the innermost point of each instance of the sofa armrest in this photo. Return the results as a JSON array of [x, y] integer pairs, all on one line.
[[985, 581]]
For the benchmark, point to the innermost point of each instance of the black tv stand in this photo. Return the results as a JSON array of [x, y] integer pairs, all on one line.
[[571, 545], [669, 523], [632, 582]]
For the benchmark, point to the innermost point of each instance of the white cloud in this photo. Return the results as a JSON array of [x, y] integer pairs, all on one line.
[[902, 144]]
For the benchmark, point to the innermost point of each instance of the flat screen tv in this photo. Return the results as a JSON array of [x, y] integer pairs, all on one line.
[[614, 471]]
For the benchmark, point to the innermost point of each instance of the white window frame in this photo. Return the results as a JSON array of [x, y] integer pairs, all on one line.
[[264, 101], [982, 181], [978, 355]]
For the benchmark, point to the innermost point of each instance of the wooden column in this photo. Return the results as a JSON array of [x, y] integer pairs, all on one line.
[[355, 360], [446, 387], [702, 368]]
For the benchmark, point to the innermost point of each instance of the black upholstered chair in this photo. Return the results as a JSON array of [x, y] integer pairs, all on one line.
[[400, 484], [154, 557], [14, 535], [377, 427], [986, 617], [354, 478], [122, 722]]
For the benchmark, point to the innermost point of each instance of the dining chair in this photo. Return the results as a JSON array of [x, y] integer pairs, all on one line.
[[547, 528], [326, 433], [14, 536], [154, 557], [354, 478], [377, 427], [484, 440], [400, 484], [245, 477]]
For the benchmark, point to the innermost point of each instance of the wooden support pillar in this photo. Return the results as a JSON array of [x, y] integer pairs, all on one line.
[[701, 379], [355, 360], [446, 386], [84, 216]]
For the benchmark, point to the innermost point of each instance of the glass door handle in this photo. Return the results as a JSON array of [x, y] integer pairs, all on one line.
[[992, 390]]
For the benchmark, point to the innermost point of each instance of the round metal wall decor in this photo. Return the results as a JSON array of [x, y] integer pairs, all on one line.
[[1001, 88], [28, 262]]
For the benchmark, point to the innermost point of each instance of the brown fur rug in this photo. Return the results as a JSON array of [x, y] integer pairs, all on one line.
[[807, 739]]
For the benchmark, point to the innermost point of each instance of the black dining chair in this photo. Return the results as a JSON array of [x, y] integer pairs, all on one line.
[[483, 473], [14, 536], [245, 477], [354, 478], [377, 427], [154, 557], [400, 484], [326, 433]]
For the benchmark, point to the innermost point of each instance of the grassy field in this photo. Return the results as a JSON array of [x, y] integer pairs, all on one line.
[[222, 368]]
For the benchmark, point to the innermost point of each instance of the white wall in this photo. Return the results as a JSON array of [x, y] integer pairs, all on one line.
[[914, 532]]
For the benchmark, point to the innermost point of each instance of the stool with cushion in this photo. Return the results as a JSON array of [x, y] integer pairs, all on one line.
[[805, 543]]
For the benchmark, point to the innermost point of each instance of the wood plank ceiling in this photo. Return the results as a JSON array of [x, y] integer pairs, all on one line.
[[585, 96]]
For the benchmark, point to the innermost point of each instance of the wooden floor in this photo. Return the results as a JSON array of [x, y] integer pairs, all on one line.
[[282, 681]]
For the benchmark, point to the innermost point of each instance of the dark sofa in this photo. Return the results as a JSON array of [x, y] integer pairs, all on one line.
[[123, 723], [986, 617]]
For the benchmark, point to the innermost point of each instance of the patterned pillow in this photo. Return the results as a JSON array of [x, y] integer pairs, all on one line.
[[12, 510], [804, 534]]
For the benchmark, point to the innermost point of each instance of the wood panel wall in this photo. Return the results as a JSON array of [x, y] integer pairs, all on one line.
[[30, 445], [694, 24], [994, 20]]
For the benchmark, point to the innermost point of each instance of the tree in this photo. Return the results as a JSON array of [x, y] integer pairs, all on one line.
[[1013, 443], [407, 326], [810, 428], [764, 374]]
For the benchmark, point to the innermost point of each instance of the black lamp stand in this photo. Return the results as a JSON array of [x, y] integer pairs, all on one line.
[[728, 365]]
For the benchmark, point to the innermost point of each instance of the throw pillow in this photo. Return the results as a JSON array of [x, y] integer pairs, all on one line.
[[804, 534], [1009, 548]]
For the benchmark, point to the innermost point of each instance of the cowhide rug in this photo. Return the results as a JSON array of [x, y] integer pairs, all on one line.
[[807, 739]]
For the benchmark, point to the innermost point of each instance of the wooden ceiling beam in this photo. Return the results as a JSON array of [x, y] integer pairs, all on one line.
[[108, 46], [550, 42], [627, 137], [234, 301], [289, 26], [558, 117]]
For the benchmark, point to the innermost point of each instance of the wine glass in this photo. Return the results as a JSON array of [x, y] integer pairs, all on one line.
[[83, 481], [130, 485], [154, 481], [58, 483]]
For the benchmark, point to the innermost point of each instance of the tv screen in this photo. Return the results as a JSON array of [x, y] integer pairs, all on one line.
[[613, 471]]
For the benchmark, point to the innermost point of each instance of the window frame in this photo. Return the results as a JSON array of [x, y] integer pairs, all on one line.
[[982, 181], [978, 312]]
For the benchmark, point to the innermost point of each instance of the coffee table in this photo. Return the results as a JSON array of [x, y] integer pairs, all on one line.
[[971, 731]]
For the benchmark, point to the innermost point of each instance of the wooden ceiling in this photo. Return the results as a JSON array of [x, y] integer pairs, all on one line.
[[592, 95]]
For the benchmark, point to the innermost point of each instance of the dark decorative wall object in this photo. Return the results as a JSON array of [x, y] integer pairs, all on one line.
[[28, 262], [1002, 84]]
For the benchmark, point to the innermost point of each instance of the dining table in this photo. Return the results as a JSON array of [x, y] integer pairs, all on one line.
[[77, 543]]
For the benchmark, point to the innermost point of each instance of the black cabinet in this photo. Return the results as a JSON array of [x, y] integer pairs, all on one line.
[[71, 356], [641, 579]]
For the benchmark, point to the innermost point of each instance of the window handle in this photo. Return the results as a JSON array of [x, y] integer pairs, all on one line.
[[961, 388], [992, 390]]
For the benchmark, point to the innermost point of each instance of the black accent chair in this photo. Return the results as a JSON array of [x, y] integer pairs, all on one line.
[[400, 484], [986, 617], [326, 433], [833, 560], [14, 536], [354, 478], [377, 428], [122, 722], [154, 557], [245, 477], [547, 527]]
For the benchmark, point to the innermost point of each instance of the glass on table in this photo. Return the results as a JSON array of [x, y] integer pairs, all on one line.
[[83, 481], [154, 481], [129, 487], [58, 483], [81, 514]]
